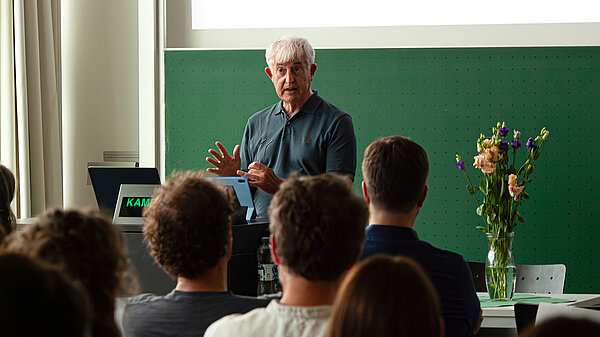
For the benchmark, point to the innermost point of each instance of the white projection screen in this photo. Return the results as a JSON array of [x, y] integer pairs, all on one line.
[[244, 14]]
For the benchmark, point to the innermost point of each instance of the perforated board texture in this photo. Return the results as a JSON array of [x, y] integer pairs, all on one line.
[[443, 99]]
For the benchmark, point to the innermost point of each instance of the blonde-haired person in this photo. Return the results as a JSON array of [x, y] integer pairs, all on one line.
[[386, 296], [7, 193]]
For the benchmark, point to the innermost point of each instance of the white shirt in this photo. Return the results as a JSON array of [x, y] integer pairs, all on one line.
[[276, 320]]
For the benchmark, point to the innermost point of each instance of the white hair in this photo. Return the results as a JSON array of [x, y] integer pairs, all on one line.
[[290, 48]]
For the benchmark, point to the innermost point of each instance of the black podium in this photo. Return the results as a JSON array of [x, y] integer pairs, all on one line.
[[242, 267]]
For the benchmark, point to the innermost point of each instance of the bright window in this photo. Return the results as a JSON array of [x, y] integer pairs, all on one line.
[[242, 14]]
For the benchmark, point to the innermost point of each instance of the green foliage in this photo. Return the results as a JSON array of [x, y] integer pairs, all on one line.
[[502, 184]]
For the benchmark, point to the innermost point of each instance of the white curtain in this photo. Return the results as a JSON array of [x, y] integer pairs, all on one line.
[[30, 108]]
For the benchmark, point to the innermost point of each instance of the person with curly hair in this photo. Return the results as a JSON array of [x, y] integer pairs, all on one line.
[[7, 193], [317, 229], [39, 300], [386, 296], [188, 231], [88, 248]]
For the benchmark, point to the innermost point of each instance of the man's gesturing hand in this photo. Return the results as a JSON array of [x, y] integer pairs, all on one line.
[[224, 164], [262, 176]]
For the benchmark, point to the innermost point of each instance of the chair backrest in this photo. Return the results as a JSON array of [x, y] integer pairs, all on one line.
[[541, 279], [478, 273]]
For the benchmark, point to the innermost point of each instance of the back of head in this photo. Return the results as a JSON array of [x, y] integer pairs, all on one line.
[[88, 248], [7, 193], [318, 225], [37, 300], [188, 225], [290, 49], [395, 171], [386, 296], [564, 326]]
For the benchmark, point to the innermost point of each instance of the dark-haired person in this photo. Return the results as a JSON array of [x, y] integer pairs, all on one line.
[[363, 306], [88, 248], [7, 193], [38, 300], [317, 229], [188, 230], [395, 173]]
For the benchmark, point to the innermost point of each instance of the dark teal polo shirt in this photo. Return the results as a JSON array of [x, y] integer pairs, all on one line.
[[319, 138]]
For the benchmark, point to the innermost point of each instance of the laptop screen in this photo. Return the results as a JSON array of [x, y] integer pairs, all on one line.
[[107, 181]]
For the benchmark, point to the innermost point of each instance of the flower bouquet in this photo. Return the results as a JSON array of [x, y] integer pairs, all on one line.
[[503, 187]]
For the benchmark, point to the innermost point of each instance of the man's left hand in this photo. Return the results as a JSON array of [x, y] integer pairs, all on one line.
[[262, 177]]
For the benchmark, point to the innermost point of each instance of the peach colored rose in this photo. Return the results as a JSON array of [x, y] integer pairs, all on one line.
[[487, 142], [483, 162], [495, 154], [512, 180], [488, 159], [515, 190]]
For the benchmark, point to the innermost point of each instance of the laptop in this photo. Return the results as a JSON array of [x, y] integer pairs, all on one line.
[[131, 202], [107, 181]]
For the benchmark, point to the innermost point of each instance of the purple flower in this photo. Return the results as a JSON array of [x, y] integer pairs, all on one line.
[[503, 146], [517, 197], [516, 144], [503, 131], [531, 143], [460, 165]]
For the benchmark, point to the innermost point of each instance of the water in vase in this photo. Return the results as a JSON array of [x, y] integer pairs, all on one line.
[[500, 282]]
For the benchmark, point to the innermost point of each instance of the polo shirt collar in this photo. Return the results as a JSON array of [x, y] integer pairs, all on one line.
[[309, 107], [391, 233]]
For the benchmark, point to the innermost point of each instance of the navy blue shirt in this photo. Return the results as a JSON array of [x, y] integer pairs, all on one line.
[[448, 272], [319, 138]]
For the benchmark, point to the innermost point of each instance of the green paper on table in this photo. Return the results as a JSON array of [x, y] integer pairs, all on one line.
[[519, 298]]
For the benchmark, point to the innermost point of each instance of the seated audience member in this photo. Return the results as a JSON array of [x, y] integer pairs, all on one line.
[[37, 300], [188, 230], [7, 193], [88, 248], [395, 172], [564, 326], [386, 296], [317, 228]]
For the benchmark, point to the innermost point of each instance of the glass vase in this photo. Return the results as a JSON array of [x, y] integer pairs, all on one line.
[[500, 269]]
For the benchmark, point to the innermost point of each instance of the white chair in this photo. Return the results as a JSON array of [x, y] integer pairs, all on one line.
[[541, 278]]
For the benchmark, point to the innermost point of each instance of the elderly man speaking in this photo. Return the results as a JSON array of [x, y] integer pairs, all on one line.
[[302, 133]]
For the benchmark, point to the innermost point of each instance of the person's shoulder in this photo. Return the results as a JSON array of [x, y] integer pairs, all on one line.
[[244, 304], [248, 324], [254, 300], [143, 298], [261, 114], [331, 109], [448, 257]]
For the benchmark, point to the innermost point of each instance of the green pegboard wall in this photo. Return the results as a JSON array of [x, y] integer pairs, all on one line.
[[443, 99]]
